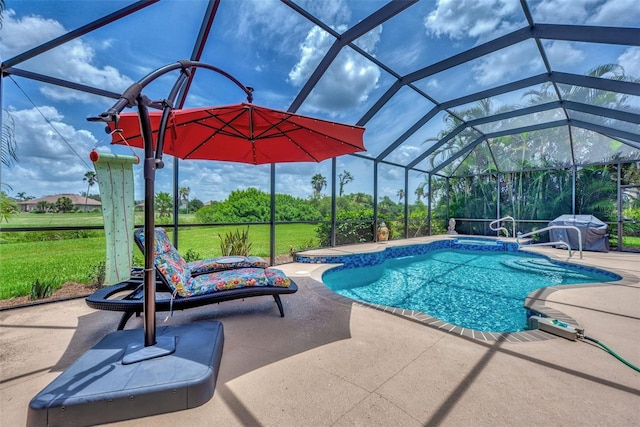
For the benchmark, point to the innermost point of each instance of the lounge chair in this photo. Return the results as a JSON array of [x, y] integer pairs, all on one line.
[[181, 285]]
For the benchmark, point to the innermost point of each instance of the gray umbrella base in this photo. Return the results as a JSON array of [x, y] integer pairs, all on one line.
[[98, 388]]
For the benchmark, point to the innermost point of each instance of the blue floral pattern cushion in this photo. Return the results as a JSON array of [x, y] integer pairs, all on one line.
[[277, 277], [234, 279], [169, 262]]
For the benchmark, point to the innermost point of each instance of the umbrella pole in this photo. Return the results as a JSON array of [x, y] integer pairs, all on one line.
[[149, 228]]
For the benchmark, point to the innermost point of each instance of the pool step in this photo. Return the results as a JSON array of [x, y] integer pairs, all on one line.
[[542, 266]]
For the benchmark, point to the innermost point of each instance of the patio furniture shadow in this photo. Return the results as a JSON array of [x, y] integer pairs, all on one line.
[[253, 336]]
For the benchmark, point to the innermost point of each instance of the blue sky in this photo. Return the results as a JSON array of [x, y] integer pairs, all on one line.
[[265, 44]]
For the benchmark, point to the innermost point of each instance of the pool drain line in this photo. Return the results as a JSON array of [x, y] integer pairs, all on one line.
[[571, 332]]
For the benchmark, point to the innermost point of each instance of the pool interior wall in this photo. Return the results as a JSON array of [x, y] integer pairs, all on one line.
[[369, 259], [377, 258]]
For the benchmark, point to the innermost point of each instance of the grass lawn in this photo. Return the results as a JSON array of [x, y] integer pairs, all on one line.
[[80, 219], [57, 262]]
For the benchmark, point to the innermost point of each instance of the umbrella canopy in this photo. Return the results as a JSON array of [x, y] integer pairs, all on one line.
[[245, 133]]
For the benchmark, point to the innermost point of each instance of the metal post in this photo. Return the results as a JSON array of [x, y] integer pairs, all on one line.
[[149, 303], [176, 202], [573, 190], [429, 205], [272, 216], [406, 203], [498, 199], [375, 201], [334, 167], [620, 217]]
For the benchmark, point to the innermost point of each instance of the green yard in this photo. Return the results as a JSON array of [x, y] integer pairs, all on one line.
[[59, 257]]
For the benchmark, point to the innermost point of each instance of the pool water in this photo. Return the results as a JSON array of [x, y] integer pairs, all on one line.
[[478, 290]]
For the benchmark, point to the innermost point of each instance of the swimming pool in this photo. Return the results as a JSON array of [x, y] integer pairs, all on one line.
[[475, 285]]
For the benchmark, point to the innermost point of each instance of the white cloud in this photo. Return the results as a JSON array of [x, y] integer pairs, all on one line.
[[346, 83], [46, 160], [507, 64], [630, 61], [73, 61], [457, 19], [590, 12], [311, 52], [563, 54], [569, 12], [617, 12], [267, 22]]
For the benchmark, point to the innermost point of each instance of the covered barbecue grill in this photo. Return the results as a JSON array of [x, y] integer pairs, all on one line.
[[593, 231]]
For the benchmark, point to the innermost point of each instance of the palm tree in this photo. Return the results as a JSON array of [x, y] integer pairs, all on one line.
[[64, 204], [8, 152], [400, 195], [420, 190], [344, 178], [318, 182], [8, 207], [91, 179], [183, 193], [164, 204]]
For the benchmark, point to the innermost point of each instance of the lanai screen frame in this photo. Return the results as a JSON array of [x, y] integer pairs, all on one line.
[[536, 32]]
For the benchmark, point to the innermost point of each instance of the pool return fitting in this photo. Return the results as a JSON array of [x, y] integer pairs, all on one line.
[[571, 332]]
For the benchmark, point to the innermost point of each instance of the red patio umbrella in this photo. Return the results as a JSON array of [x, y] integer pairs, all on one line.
[[239, 133], [245, 133]]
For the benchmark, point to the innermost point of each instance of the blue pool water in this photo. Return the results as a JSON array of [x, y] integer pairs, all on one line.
[[472, 289]]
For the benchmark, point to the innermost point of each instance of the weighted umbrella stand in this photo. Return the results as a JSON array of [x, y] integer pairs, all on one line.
[[119, 378]]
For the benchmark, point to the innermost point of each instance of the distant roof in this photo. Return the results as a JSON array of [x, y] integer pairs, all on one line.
[[75, 199]]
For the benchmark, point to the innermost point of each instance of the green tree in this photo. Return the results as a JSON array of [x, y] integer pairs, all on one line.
[[64, 204], [400, 195], [164, 205], [253, 205], [194, 205], [91, 179], [43, 206], [344, 178], [318, 182]]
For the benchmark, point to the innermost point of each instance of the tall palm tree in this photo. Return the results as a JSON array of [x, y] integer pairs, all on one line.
[[400, 195], [318, 182], [183, 193], [91, 179]]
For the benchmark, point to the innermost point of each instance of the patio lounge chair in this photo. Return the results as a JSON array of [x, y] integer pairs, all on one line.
[[181, 285]]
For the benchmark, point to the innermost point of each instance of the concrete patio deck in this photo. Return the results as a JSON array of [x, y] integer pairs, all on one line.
[[331, 363]]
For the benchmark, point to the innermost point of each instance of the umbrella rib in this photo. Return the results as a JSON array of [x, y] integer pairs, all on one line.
[[299, 127], [217, 130]]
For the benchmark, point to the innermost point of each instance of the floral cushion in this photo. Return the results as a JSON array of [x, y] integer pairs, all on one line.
[[169, 262], [214, 274], [234, 279], [226, 263], [277, 277]]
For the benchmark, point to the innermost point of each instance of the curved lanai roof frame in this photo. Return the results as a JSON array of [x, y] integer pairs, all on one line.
[[441, 111]]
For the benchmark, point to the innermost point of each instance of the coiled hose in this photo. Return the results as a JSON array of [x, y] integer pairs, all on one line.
[[613, 353]]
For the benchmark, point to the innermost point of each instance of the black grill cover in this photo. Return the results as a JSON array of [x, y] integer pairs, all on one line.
[[594, 232]]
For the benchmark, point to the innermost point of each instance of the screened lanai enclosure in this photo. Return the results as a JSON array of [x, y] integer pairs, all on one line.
[[474, 110]]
